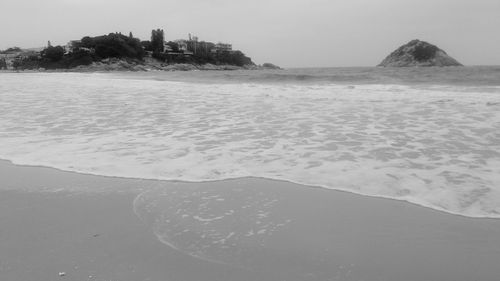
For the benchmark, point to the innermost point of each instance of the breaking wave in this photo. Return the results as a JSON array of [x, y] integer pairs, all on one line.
[[437, 146]]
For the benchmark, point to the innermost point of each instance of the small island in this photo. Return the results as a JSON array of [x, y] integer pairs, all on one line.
[[116, 51], [418, 53]]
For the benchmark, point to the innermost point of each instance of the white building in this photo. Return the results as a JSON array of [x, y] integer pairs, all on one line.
[[183, 46], [71, 45], [224, 47]]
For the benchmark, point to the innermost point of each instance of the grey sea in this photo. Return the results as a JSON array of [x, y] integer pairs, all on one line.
[[430, 136]]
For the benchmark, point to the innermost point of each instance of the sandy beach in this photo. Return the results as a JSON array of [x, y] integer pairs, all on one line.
[[102, 228]]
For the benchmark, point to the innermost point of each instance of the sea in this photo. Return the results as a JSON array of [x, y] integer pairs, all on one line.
[[429, 136]]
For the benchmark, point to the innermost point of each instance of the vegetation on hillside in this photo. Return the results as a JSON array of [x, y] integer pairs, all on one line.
[[3, 64], [113, 45], [116, 45], [11, 50]]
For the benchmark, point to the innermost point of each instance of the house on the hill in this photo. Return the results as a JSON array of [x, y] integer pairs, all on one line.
[[71, 45], [223, 47], [182, 44]]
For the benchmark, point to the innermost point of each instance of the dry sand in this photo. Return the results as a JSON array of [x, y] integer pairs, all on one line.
[[85, 226]]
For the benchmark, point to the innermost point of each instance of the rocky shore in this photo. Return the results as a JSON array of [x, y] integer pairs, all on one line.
[[153, 65]]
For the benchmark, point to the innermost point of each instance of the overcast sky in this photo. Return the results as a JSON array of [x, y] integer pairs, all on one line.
[[290, 33]]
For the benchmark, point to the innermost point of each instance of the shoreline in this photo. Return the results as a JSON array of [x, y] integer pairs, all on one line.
[[285, 181], [110, 65], [254, 229]]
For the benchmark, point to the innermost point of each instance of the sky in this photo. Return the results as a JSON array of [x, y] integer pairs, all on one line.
[[290, 33]]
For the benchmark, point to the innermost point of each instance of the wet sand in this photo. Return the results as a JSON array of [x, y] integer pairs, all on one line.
[[101, 228]]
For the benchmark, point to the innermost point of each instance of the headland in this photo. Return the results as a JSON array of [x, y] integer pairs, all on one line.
[[118, 52]]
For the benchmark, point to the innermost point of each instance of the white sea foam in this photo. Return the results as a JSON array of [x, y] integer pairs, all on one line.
[[434, 146]]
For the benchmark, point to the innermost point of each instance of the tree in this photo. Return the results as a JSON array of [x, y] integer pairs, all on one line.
[[113, 45], [11, 50], [87, 42], [53, 53], [30, 62], [233, 58], [157, 39], [174, 46], [79, 57], [146, 45], [3, 64]]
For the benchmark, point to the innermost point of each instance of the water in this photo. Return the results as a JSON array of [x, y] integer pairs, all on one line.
[[430, 136]]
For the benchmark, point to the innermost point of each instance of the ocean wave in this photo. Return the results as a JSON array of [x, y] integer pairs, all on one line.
[[459, 77], [434, 146]]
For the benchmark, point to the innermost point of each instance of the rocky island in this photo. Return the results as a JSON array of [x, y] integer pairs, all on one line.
[[418, 53]]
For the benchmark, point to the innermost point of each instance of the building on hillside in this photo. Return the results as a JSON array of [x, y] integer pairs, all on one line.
[[72, 45], [167, 48], [193, 46], [202, 48], [192, 38], [223, 47], [183, 46]]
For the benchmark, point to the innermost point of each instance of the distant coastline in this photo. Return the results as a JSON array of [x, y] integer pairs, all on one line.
[[112, 65], [117, 52]]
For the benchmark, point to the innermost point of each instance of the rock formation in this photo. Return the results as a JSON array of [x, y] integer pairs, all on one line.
[[419, 53], [268, 65]]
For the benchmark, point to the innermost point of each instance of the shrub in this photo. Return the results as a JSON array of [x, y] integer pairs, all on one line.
[[53, 53], [11, 50], [3, 64], [113, 45]]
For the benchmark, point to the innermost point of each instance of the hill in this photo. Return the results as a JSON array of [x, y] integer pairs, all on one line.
[[418, 53]]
